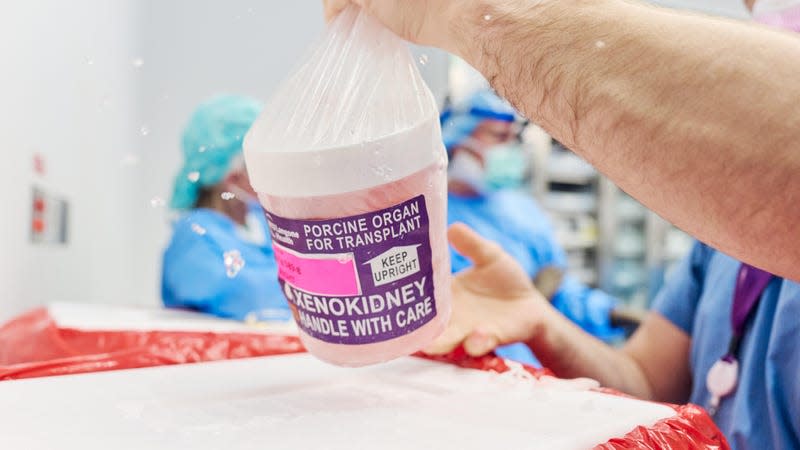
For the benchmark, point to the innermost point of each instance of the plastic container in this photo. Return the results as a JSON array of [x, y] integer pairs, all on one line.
[[348, 162]]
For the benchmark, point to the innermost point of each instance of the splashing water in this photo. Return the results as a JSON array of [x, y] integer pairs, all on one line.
[[144, 130], [233, 263], [157, 202], [227, 195], [198, 229], [193, 176], [137, 62], [423, 59]]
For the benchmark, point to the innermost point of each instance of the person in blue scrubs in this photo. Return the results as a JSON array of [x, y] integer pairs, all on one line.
[[764, 410], [219, 260], [485, 179]]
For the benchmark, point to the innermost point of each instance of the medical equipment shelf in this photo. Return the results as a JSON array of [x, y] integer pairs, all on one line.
[[629, 248]]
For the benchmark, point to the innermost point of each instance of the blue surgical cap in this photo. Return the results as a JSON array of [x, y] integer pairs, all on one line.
[[459, 122], [211, 141]]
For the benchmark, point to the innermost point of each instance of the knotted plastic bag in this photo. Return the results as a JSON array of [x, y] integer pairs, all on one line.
[[348, 162]]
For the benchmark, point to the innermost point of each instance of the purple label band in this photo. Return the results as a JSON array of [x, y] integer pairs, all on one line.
[[358, 279]]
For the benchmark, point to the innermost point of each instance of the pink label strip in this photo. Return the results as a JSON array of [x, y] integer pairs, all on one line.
[[322, 274]]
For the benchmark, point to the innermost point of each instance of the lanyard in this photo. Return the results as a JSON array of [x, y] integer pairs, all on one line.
[[723, 376]]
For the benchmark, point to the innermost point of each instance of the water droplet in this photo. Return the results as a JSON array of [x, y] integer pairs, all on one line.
[[227, 195], [193, 176], [423, 59], [599, 44], [233, 262], [89, 61], [137, 62], [487, 17], [201, 149], [198, 229], [130, 159], [144, 130], [157, 202], [379, 170]]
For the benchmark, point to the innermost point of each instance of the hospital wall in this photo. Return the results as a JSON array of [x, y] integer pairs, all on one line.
[[67, 86]]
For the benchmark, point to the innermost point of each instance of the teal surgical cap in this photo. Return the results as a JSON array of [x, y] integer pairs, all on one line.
[[459, 122], [211, 141]]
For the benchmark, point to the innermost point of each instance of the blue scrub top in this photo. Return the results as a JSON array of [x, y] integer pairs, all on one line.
[[764, 411], [194, 274], [514, 220]]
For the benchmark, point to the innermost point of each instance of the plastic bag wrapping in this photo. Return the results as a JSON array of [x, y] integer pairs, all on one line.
[[348, 162], [357, 84], [32, 345]]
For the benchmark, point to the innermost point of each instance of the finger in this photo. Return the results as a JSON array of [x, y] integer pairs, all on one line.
[[469, 244], [333, 8], [479, 343], [446, 342]]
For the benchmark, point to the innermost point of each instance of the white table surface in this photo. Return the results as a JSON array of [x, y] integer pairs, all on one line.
[[297, 402]]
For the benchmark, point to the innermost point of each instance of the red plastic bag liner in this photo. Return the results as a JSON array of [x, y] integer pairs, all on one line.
[[32, 345]]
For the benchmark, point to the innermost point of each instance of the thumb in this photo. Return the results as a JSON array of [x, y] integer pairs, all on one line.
[[333, 8], [479, 343], [468, 243]]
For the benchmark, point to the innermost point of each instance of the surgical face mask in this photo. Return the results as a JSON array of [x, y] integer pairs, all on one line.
[[467, 168], [783, 14], [506, 166]]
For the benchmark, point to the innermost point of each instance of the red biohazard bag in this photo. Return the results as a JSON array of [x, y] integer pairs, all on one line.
[[33, 345]]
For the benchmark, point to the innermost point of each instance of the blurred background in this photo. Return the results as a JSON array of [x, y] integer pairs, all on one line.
[[95, 95]]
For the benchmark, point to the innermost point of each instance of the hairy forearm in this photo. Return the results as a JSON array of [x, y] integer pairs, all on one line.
[[696, 117], [570, 352]]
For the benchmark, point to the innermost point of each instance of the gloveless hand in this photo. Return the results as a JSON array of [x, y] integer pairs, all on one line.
[[494, 301]]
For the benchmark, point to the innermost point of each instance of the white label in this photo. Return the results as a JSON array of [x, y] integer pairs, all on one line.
[[394, 264]]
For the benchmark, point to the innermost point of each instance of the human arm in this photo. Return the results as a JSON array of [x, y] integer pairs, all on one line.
[[694, 116], [495, 304]]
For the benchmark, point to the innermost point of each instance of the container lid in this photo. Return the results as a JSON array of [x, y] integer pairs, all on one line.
[[347, 168]]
